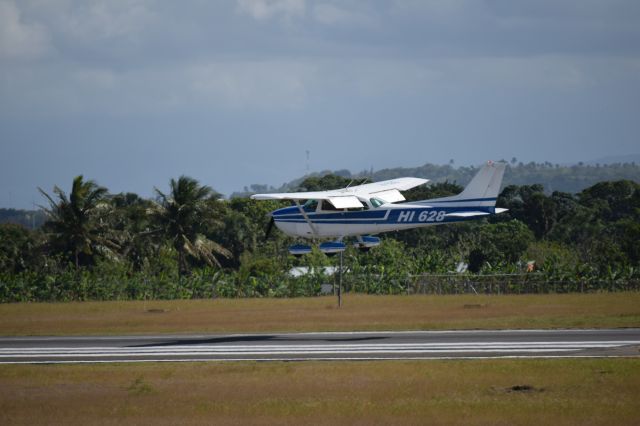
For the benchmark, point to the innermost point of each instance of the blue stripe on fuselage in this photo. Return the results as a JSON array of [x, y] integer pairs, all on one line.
[[467, 200], [409, 215]]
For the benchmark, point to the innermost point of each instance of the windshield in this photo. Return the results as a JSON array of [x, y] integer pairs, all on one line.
[[376, 202]]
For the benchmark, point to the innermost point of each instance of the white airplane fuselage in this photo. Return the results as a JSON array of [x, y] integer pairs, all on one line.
[[373, 208], [386, 218]]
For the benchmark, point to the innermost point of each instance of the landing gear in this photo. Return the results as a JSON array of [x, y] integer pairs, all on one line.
[[366, 242], [299, 250], [331, 248]]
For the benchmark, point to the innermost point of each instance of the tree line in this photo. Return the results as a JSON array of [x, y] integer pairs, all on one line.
[[553, 177], [188, 242]]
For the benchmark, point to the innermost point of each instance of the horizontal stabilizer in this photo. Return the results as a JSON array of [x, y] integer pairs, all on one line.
[[466, 214], [500, 210]]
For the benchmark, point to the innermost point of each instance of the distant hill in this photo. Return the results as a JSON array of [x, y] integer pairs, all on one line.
[[30, 219], [618, 159], [554, 177]]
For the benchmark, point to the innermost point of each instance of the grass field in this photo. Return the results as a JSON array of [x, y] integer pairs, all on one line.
[[496, 392], [359, 312], [509, 392]]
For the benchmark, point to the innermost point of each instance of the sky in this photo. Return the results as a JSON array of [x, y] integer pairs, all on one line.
[[132, 93]]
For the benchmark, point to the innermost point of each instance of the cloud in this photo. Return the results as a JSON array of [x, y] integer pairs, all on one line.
[[444, 13], [330, 14], [93, 19], [288, 84], [18, 39], [140, 57], [266, 9], [273, 85], [547, 72]]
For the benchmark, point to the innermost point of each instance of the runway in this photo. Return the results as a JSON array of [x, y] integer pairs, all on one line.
[[324, 346]]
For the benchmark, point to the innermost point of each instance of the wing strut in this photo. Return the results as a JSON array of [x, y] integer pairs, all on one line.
[[304, 214]]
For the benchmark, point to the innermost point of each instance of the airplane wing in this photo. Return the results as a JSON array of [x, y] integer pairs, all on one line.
[[319, 195], [400, 184], [387, 190]]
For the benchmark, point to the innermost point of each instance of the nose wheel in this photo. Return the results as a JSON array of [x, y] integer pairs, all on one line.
[[366, 243], [331, 248], [299, 250]]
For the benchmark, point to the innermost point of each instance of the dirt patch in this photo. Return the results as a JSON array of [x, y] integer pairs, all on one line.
[[475, 306], [524, 389], [139, 387]]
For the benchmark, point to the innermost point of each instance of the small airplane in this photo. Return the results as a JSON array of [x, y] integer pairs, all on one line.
[[362, 210]]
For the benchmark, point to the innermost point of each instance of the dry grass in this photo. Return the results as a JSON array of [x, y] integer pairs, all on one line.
[[359, 312], [582, 391]]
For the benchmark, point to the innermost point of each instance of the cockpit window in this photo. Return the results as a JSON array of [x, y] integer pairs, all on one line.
[[326, 205], [357, 209], [310, 205], [376, 202]]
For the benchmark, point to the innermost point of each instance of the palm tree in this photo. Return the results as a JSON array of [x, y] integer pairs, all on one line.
[[130, 225], [74, 226], [182, 217]]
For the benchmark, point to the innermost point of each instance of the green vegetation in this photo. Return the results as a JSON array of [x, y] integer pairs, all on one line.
[[189, 243], [514, 392], [181, 216], [75, 228]]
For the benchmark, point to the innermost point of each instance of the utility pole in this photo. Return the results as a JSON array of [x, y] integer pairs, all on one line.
[[340, 282]]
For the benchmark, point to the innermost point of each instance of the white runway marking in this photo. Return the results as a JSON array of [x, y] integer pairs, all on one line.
[[323, 346], [368, 358], [319, 351]]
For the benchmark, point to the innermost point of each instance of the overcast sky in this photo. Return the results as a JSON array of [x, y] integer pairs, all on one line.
[[133, 93]]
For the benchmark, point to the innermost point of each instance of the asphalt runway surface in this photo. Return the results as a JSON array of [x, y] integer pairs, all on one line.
[[324, 346]]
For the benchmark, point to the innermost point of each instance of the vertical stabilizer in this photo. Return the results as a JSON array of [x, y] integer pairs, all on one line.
[[481, 192], [486, 183]]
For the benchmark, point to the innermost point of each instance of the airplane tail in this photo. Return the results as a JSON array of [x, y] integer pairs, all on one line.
[[485, 185], [481, 192]]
